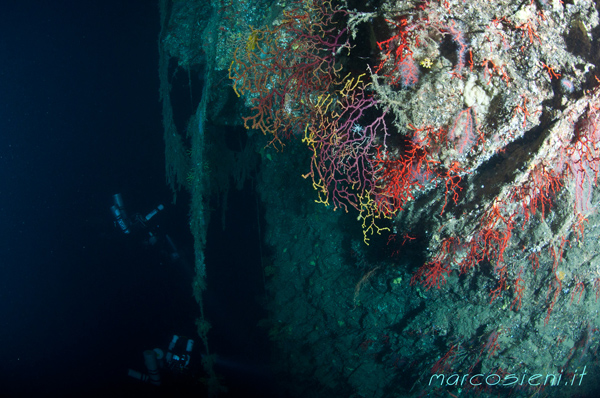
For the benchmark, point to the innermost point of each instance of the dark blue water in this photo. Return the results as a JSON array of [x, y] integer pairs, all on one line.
[[79, 121]]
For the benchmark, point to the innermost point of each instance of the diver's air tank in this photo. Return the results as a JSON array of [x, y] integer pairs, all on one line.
[[151, 360]]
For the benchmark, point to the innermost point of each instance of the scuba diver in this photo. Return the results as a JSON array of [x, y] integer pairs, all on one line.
[[174, 365], [140, 225]]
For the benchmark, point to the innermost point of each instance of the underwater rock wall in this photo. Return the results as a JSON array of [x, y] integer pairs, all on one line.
[[428, 174]]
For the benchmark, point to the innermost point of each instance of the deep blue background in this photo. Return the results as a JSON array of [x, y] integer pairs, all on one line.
[[80, 121]]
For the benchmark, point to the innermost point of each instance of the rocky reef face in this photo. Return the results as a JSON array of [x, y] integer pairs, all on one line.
[[428, 173]]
